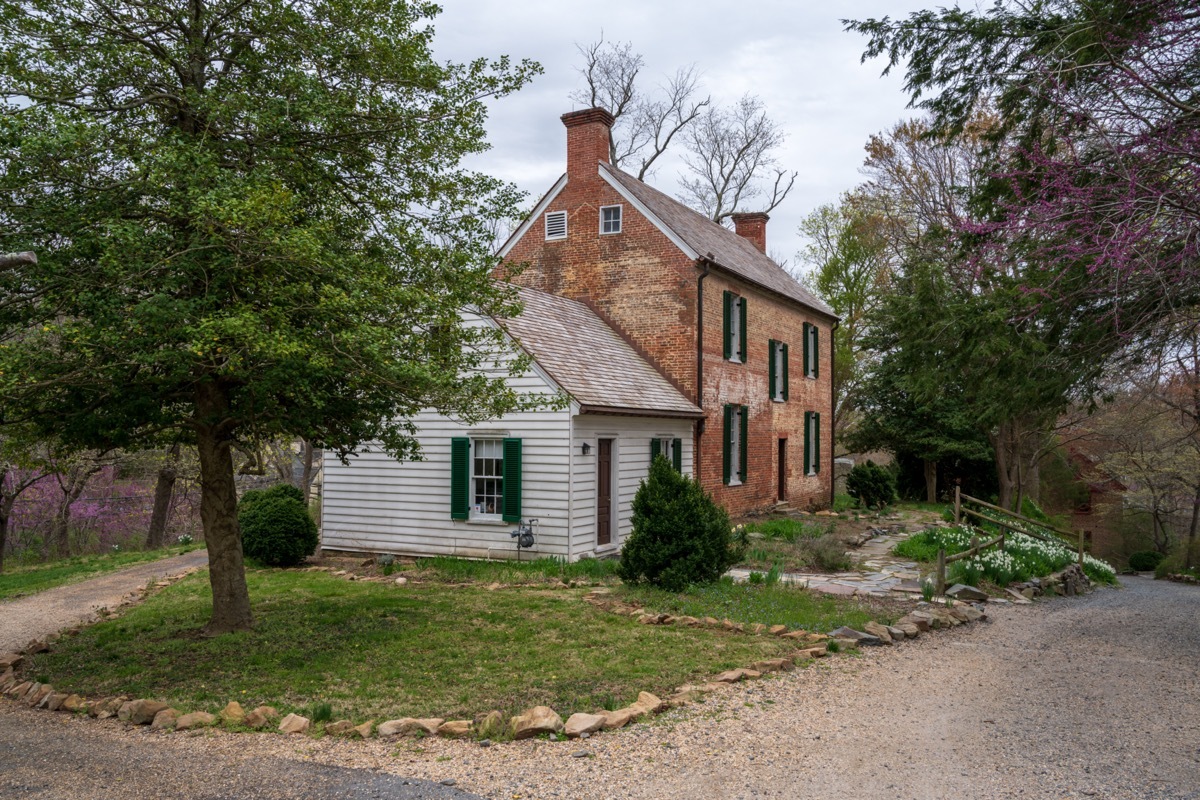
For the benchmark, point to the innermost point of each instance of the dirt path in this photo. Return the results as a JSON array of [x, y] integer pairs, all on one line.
[[1069, 698], [47, 612]]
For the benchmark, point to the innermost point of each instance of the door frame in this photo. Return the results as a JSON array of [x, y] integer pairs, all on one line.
[[781, 494], [614, 527]]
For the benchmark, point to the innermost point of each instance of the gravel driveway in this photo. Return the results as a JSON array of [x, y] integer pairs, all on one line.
[[33, 617], [1080, 697]]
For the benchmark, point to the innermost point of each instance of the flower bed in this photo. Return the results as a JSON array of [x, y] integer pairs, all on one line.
[[1024, 557]]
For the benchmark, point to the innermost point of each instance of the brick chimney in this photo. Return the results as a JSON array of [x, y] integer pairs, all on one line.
[[752, 226], [587, 141]]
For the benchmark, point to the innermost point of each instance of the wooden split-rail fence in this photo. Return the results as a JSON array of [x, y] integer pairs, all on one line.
[[977, 547]]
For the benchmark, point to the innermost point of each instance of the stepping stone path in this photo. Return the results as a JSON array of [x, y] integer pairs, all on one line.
[[880, 573]]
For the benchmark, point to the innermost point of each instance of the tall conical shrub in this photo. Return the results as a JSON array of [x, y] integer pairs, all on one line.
[[680, 536]]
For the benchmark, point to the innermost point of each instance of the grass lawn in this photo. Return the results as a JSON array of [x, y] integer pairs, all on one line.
[[374, 650], [19, 581], [776, 604]]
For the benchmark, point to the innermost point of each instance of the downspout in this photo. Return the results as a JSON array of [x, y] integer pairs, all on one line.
[[704, 262], [832, 410]]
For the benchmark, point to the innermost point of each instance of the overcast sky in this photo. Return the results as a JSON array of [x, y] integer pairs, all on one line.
[[794, 55]]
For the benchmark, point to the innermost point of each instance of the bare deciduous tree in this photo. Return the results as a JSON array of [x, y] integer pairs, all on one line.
[[644, 124], [730, 155]]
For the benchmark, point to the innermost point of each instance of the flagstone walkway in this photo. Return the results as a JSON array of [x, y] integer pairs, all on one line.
[[880, 573]]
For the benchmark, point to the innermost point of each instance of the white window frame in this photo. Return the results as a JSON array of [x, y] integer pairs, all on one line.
[[777, 355], [556, 214], [811, 467], [476, 514], [735, 447], [619, 219], [735, 330], [666, 447], [810, 369]]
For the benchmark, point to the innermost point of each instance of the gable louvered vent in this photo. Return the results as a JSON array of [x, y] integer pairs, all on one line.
[[556, 225]]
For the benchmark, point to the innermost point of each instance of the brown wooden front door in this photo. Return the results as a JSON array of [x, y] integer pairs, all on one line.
[[604, 492], [782, 470]]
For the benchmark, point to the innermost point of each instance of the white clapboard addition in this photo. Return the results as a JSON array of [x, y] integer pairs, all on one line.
[[375, 504]]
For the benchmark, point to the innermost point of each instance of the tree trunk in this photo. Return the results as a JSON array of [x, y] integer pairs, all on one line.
[[306, 477], [1001, 444], [1191, 540], [4, 515], [164, 490], [218, 513], [60, 527], [930, 481]]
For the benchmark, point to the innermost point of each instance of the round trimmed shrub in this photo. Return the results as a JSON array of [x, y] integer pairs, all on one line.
[[1145, 560], [680, 536], [276, 526], [871, 485]]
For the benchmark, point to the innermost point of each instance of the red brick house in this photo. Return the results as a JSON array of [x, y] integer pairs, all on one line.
[[728, 327]]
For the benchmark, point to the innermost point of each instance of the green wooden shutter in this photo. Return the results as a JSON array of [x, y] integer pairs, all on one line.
[[743, 345], [806, 342], [816, 441], [807, 441], [785, 371], [460, 477], [655, 448], [728, 324], [773, 378], [677, 454], [512, 480], [727, 435], [742, 472], [816, 354]]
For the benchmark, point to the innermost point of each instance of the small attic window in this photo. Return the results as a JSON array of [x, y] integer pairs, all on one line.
[[556, 225], [610, 219]]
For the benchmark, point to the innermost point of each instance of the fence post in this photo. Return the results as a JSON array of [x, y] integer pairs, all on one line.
[[957, 503], [1003, 533], [941, 572]]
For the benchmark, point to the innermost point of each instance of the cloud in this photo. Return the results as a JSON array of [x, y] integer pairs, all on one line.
[[794, 55]]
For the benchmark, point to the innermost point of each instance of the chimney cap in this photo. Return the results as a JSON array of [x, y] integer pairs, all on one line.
[[583, 117], [749, 216]]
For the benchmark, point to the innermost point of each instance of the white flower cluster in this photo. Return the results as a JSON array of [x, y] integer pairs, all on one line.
[[1021, 553]]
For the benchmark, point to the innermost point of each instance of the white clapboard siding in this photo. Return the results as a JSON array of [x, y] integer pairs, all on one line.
[[379, 505], [631, 452]]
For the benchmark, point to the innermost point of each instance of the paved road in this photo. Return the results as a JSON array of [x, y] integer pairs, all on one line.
[[28, 618]]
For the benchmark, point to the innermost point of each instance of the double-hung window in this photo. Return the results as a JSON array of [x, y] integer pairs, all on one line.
[[778, 371], [485, 479], [669, 447], [735, 327], [610, 219], [812, 442], [734, 439], [812, 352]]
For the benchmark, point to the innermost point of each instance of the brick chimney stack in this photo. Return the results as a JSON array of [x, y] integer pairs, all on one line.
[[752, 226], [587, 141]]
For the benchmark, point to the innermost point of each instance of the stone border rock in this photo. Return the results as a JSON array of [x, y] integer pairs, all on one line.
[[537, 721]]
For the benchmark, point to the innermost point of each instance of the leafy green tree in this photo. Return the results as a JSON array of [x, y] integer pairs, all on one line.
[[849, 267], [252, 221]]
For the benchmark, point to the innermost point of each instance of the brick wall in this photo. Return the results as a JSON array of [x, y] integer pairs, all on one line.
[[646, 288], [748, 384]]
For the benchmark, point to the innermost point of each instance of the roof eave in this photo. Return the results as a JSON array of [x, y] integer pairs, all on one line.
[[739, 276], [618, 411]]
